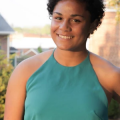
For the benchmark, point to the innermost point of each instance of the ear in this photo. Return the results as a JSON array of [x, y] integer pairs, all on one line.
[[93, 26]]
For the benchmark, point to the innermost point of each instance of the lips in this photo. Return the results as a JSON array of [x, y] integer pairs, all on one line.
[[65, 36]]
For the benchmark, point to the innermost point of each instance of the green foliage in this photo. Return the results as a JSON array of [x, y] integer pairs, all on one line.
[[39, 49], [114, 110], [115, 4], [5, 72], [45, 30], [35, 30]]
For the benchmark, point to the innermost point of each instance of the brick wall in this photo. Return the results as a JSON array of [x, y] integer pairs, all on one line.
[[106, 40], [3, 43]]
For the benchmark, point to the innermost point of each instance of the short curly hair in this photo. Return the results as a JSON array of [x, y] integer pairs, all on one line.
[[95, 8]]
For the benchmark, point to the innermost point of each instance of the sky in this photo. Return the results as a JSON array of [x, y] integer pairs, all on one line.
[[25, 13]]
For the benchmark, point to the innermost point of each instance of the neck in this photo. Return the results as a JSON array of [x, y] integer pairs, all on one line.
[[70, 58]]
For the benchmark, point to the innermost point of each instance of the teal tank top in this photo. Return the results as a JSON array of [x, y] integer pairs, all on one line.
[[57, 92]]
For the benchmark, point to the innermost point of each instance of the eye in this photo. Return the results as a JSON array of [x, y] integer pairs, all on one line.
[[55, 18], [76, 20], [58, 18]]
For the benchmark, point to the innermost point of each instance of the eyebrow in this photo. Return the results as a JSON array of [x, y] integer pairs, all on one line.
[[73, 15]]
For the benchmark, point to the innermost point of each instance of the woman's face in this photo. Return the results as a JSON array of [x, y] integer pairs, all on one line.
[[70, 25]]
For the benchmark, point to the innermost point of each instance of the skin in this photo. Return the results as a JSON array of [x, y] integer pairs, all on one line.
[[73, 22], [69, 52]]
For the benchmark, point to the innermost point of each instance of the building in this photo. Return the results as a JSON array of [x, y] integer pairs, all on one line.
[[5, 31], [106, 40]]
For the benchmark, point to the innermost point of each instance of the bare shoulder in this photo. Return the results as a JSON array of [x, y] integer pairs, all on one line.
[[30, 65], [103, 64], [108, 74]]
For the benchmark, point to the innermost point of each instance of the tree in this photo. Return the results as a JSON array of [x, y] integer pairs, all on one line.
[[45, 30], [113, 111], [5, 72], [116, 5], [39, 49]]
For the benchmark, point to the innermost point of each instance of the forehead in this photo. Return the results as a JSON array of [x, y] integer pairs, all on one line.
[[68, 7], [74, 2]]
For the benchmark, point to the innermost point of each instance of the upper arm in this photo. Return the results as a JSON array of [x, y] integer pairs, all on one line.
[[16, 93], [108, 75], [116, 86]]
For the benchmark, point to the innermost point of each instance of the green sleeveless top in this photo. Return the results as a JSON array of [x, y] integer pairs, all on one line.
[[57, 92]]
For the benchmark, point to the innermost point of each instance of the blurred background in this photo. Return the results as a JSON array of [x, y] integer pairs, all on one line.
[[25, 31]]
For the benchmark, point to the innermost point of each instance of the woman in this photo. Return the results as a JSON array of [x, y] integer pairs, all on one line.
[[68, 83]]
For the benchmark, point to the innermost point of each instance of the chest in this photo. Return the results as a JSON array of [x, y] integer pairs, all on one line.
[[62, 97]]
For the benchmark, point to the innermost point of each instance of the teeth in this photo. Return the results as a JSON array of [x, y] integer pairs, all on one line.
[[65, 37]]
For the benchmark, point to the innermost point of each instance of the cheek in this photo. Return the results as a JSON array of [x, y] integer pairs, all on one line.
[[78, 30], [54, 27], [82, 30]]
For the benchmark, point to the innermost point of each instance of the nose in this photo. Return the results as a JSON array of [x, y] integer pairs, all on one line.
[[65, 26]]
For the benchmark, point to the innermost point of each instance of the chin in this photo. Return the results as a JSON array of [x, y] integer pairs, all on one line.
[[66, 48]]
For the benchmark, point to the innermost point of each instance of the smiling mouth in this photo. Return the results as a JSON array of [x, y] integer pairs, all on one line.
[[65, 37]]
